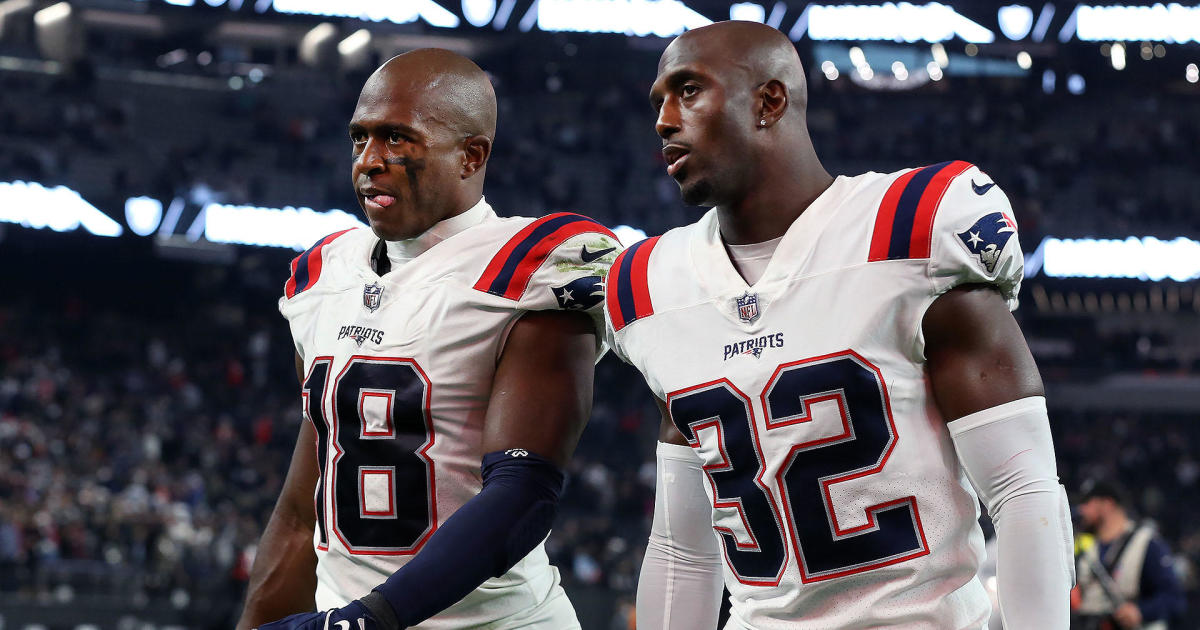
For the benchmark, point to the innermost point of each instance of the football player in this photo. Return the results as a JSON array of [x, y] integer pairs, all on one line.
[[445, 362], [839, 374]]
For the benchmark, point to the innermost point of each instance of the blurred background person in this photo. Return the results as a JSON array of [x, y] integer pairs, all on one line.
[[1126, 573]]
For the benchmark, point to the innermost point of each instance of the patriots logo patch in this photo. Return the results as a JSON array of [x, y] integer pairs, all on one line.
[[580, 294], [988, 237]]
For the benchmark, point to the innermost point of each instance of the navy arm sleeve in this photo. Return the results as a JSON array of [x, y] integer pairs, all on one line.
[[483, 539], [1161, 594]]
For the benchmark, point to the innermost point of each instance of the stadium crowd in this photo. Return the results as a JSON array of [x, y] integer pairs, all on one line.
[[142, 449]]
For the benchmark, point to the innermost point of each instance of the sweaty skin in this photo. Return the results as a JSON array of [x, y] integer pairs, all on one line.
[[422, 129]]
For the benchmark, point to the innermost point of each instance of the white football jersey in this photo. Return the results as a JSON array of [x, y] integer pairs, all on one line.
[[399, 372], [837, 495]]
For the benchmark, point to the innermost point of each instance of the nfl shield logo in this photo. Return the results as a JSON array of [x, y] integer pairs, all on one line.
[[372, 294], [747, 307]]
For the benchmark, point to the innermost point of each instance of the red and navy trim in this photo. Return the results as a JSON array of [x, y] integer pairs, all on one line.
[[306, 268], [510, 269], [627, 291], [904, 223]]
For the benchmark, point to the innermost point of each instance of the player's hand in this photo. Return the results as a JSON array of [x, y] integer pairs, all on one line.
[[354, 616], [1128, 615]]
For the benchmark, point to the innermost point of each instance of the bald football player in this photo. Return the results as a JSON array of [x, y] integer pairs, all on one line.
[[840, 376], [445, 363]]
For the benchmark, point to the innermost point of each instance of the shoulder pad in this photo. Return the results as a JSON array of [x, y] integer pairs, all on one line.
[[306, 268], [628, 296], [508, 273], [904, 220]]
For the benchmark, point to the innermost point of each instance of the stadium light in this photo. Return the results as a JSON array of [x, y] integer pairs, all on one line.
[[662, 18], [939, 55], [1016, 21], [830, 70], [58, 33], [394, 11], [60, 209], [296, 228], [1076, 85], [143, 215], [479, 12], [1043, 22], [934, 71], [1172, 22], [1146, 258], [748, 11], [1117, 55], [319, 46], [903, 21], [1049, 80], [899, 71], [1192, 74], [355, 48], [629, 235], [1024, 60]]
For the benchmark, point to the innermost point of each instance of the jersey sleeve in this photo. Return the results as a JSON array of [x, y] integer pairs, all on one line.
[[974, 237], [558, 262]]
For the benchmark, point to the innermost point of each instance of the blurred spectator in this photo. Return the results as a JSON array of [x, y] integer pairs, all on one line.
[[1126, 575]]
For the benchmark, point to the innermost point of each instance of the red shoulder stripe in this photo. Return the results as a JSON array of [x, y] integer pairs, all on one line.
[[881, 238], [627, 292], [508, 273], [922, 234], [904, 221], [306, 268]]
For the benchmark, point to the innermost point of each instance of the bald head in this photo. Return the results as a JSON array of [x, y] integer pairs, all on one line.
[[422, 132], [756, 52], [447, 87]]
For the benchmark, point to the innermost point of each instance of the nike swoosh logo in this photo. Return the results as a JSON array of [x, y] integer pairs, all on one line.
[[592, 256], [979, 190], [343, 625]]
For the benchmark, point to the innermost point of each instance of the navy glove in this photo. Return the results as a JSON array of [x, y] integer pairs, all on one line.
[[369, 613]]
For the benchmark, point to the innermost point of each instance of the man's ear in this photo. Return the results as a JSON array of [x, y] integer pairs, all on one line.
[[476, 150], [772, 101]]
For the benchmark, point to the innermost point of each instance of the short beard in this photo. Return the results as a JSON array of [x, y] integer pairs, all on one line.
[[698, 193]]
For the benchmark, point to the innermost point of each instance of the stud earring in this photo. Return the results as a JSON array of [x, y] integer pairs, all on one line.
[[762, 123]]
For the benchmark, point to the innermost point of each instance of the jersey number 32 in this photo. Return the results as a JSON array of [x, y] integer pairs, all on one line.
[[824, 549]]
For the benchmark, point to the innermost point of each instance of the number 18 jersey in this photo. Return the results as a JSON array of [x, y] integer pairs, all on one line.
[[836, 493], [399, 372]]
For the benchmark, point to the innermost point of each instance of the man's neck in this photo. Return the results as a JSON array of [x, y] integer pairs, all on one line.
[[1112, 528], [767, 211]]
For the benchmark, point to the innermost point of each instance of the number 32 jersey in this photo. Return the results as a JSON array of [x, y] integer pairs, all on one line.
[[836, 492], [398, 374]]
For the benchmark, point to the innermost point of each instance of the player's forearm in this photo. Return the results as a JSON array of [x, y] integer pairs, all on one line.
[[283, 578], [484, 538], [680, 584], [1032, 587], [678, 593], [1009, 457]]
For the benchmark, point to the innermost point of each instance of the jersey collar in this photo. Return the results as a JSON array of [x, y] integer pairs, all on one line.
[[717, 273], [400, 252]]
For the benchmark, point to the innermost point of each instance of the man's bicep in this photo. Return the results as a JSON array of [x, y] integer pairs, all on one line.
[[976, 356], [301, 482], [542, 390]]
